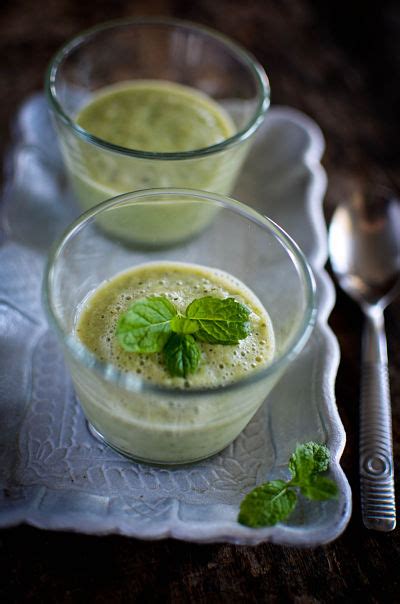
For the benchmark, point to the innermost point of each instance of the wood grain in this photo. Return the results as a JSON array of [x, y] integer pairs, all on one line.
[[339, 63]]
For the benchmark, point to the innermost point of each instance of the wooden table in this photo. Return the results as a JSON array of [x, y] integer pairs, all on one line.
[[341, 66]]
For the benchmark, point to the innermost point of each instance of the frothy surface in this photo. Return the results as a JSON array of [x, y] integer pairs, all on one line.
[[181, 283]]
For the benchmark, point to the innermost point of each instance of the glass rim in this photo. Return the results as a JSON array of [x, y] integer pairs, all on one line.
[[255, 67], [134, 383]]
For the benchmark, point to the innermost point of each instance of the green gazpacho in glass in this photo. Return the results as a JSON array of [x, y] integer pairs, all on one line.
[[155, 118], [178, 429]]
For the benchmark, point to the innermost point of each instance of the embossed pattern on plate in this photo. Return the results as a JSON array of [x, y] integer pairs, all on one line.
[[54, 474]]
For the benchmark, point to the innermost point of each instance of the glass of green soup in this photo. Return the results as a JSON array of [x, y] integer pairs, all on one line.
[[154, 103], [173, 351]]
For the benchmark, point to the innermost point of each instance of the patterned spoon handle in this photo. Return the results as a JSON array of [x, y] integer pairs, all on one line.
[[376, 449]]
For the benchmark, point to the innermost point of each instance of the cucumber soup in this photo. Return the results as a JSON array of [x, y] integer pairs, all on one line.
[[158, 117], [164, 428], [155, 116]]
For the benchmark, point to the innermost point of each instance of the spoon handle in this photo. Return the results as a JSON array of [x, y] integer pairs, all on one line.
[[376, 449]]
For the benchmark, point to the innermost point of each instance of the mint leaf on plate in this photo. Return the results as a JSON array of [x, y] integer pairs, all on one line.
[[320, 488], [308, 459], [146, 325], [267, 504], [273, 501], [221, 321], [181, 355]]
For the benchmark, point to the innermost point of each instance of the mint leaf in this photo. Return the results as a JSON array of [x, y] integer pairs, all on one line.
[[267, 504], [145, 326], [221, 321], [181, 354], [320, 488], [183, 325], [308, 459], [274, 501]]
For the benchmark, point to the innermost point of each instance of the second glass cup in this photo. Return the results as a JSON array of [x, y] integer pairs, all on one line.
[[155, 51], [166, 423]]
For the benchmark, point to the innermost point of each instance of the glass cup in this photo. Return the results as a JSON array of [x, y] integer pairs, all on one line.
[[163, 50], [156, 423]]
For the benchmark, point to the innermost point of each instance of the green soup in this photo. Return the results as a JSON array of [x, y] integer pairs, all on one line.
[[148, 116], [159, 426], [156, 116], [180, 283]]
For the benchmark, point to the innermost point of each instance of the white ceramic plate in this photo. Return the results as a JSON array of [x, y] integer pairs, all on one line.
[[53, 473]]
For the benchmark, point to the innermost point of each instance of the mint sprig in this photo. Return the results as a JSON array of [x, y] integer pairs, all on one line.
[[275, 500], [153, 325]]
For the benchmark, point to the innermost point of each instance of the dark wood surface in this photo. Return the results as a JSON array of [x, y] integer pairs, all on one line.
[[340, 63]]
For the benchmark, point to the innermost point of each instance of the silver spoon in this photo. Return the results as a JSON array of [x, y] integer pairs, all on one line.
[[364, 248]]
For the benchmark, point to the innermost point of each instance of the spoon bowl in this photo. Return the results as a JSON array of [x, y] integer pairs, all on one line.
[[364, 244]]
